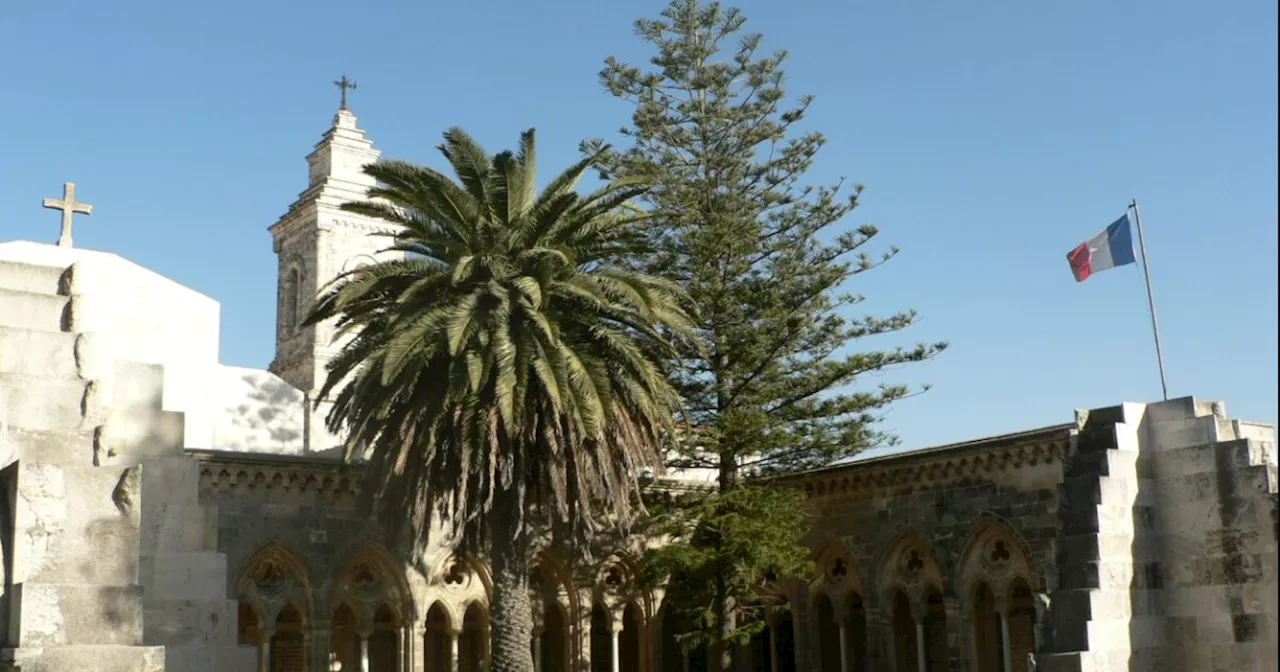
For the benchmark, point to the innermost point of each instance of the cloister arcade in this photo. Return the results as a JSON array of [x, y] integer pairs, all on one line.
[[906, 613]]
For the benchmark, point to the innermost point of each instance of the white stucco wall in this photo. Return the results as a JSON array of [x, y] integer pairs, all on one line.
[[138, 315], [248, 410]]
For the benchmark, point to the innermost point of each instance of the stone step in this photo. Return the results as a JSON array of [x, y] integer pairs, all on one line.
[[1208, 458], [41, 403], [1115, 463], [37, 353], [131, 435], [28, 310], [31, 278], [86, 659], [57, 615]]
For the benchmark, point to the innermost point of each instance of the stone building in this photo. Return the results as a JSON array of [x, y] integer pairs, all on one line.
[[163, 511]]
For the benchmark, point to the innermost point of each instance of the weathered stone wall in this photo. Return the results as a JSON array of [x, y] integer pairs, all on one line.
[[920, 523]]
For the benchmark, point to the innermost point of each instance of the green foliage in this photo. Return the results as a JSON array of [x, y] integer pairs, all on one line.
[[765, 262], [744, 537], [502, 354]]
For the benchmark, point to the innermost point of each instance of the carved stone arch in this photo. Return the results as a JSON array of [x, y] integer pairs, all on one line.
[[452, 616], [461, 572], [270, 579], [993, 554], [370, 578], [556, 581], [616, 584], [907, 564]]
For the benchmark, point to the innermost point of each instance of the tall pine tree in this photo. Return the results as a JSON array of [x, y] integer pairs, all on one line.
[[766, 262]]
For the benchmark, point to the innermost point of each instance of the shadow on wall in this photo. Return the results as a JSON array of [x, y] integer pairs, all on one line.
[[268, 416]]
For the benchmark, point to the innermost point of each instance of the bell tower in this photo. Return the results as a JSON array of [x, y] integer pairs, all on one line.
[[314, 242]]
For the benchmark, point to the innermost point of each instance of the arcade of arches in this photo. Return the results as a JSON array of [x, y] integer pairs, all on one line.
[[913, 617]]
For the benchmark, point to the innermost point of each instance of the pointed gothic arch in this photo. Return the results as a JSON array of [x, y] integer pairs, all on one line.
[[371, 578], [994, 582], [270, 579], [911, 585]]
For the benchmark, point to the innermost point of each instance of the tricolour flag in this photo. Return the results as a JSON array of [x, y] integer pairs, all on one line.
[[1113, 247]]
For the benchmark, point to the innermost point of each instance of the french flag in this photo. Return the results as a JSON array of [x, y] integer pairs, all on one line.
[[1113, 247]]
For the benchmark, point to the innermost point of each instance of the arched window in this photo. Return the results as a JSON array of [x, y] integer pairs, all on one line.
[[291, 300]]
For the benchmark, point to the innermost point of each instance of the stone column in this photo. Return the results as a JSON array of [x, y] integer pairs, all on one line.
[[364, 650], [922, 648], [537, 650], [616, 665], [1005, 644], [417, 648], [402, 649], [453, 649], [319, 647], [264, 650], [844, 646], [773, 643]]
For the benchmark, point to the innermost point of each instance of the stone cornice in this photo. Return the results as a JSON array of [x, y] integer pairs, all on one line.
[[304, 476], [984, 459], [329, 478]]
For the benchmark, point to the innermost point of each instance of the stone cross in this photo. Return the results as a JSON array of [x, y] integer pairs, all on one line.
[[344, 84], [68, 205]]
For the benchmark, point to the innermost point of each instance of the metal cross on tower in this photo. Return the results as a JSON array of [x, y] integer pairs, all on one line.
[[344, 84], [69, 207]]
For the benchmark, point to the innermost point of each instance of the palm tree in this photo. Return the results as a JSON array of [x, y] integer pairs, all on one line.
[[497, 372]]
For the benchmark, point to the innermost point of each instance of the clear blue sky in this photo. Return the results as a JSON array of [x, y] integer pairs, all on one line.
[[993, 136]]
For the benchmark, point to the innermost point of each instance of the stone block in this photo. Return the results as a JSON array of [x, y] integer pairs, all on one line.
[[63, 615], [1208, 458], [1104, 574], [31, 278], [184, 576], [41, 403], [1116, 463], [65, 448], [74, 525], [27, 310], [138, 385], [37, 354], [1176, 434], [173, 528], [135, 434], [197, 622], [89, 658]]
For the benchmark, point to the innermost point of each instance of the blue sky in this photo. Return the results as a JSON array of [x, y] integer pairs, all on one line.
[[992, 136]]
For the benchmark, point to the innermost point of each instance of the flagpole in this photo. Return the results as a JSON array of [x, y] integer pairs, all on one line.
[[1151, 301]]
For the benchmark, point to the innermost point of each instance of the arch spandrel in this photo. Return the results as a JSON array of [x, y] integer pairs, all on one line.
[[837, 577], [909, 565], [995, 556]]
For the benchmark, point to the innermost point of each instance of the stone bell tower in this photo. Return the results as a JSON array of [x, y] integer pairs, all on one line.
[[314, 242]]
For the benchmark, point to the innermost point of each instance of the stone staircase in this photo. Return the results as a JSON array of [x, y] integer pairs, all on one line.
[[107, 564], [1168, 548]]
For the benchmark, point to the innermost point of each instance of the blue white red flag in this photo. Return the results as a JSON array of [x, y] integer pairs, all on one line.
[[1113, 247]]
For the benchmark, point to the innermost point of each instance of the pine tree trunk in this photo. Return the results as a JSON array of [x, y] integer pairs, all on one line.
[[511, 618]]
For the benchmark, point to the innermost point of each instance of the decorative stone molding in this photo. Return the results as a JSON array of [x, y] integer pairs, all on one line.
[[936, 467], [327, 481]]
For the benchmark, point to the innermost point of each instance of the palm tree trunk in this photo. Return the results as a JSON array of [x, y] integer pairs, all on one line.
[[511, 617]]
